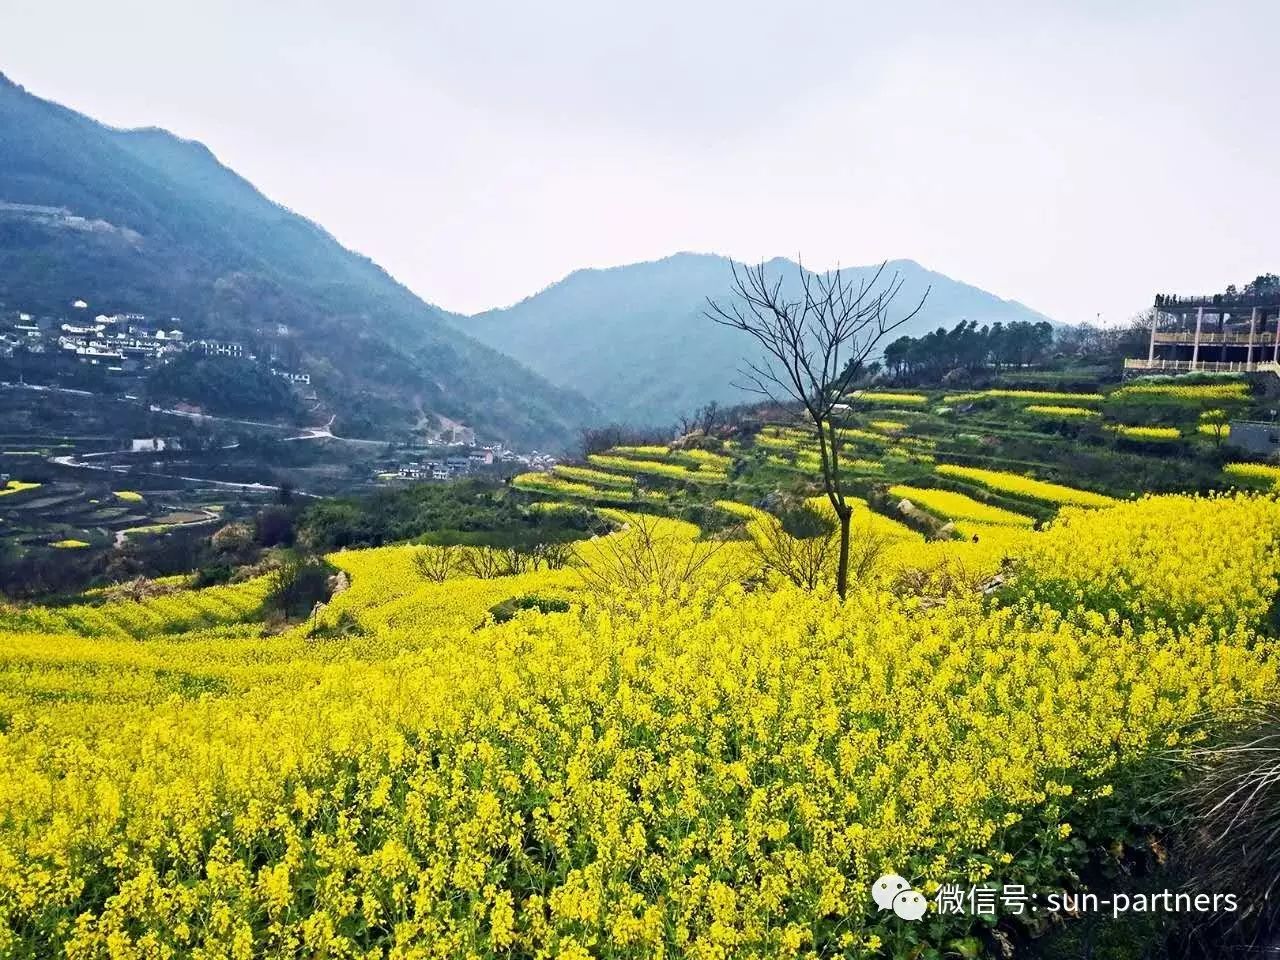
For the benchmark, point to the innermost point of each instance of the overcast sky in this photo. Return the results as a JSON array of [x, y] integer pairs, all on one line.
[[1075, 156]]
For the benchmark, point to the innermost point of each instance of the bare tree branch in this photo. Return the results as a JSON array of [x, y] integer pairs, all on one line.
[[814, 347]]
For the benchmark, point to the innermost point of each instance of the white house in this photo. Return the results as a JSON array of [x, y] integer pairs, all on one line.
[[219, 348], [153, 444]]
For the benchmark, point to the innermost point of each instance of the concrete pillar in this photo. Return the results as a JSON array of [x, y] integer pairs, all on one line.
[[1275, 340], [1151, 351], [1253, 330], [1195, 344]]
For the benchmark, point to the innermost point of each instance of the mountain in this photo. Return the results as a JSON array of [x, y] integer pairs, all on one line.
[[634, 339], [142, 221]]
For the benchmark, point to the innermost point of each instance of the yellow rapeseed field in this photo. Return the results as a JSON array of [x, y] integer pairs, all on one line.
[[956, 506], [701, 767], [1055, 493], [1141, 432]]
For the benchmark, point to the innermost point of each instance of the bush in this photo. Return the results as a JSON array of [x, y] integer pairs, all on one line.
[[234, 540], [437, 562], [297, 585], [212, 576], [273, 527], [504, 611], [799, 543], [1232, 804]]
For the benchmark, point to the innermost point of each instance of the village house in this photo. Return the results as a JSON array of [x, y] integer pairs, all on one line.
[[220, 348]]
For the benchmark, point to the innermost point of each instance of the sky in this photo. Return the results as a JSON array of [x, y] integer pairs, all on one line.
[[1078, 157]]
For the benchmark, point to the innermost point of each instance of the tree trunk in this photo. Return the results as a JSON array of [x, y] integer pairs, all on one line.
[[842, 572]]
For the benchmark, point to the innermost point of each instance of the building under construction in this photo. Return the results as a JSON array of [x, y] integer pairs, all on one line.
[[1224, 332]]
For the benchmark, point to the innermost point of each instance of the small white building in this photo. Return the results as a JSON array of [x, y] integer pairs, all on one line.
[[153, 444], [292, 377], [221, 348]]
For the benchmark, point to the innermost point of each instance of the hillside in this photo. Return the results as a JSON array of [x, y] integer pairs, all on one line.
[[483, 725], [634, 340], [142, 221]]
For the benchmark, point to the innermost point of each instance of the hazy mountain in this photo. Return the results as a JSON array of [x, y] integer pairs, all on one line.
[[142, 221], [634, 340]]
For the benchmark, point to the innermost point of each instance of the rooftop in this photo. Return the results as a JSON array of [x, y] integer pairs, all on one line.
[[1267, 298]]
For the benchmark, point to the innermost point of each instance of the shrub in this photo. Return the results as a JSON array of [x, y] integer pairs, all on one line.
[[1232, 804], [483, 562], [437, 562], [211, 576], [652, 558], [799, 543], [297, 585], [504, 611], [235, 540], [273, 527]]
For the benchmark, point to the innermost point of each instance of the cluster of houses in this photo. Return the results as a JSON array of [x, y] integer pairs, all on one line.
[[478, 457], [122, 342]]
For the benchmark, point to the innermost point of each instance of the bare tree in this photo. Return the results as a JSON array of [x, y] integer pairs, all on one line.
[[815, 346], [555, 554], [437, 561], [798, 544], [645, 557], [600, 439], [483, 562], [703, 420]]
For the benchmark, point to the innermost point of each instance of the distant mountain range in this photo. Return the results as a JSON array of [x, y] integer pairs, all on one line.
[[634, 340], [140, 220]]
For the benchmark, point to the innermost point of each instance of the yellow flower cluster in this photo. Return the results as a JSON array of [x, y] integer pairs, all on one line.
[[16, 486], [1036, 396], [644, 452], [560, 486], [1193, 392], [1021, 486], [142, 619], [1051, 410], [1133, 432], [689, 457], [696, 472], [1179, 559], [69, 544], [593, 477], [885, 396], [709, 772], [1264, 473], [129, 496], [887, 426], [956, 506]]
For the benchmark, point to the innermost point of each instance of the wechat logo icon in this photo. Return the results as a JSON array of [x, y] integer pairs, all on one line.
[[891, 892]]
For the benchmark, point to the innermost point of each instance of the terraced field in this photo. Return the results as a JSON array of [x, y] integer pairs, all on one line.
[[669, 744]]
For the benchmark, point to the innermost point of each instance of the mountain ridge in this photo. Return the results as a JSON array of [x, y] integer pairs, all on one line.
[[587, 326], [204, 243]]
